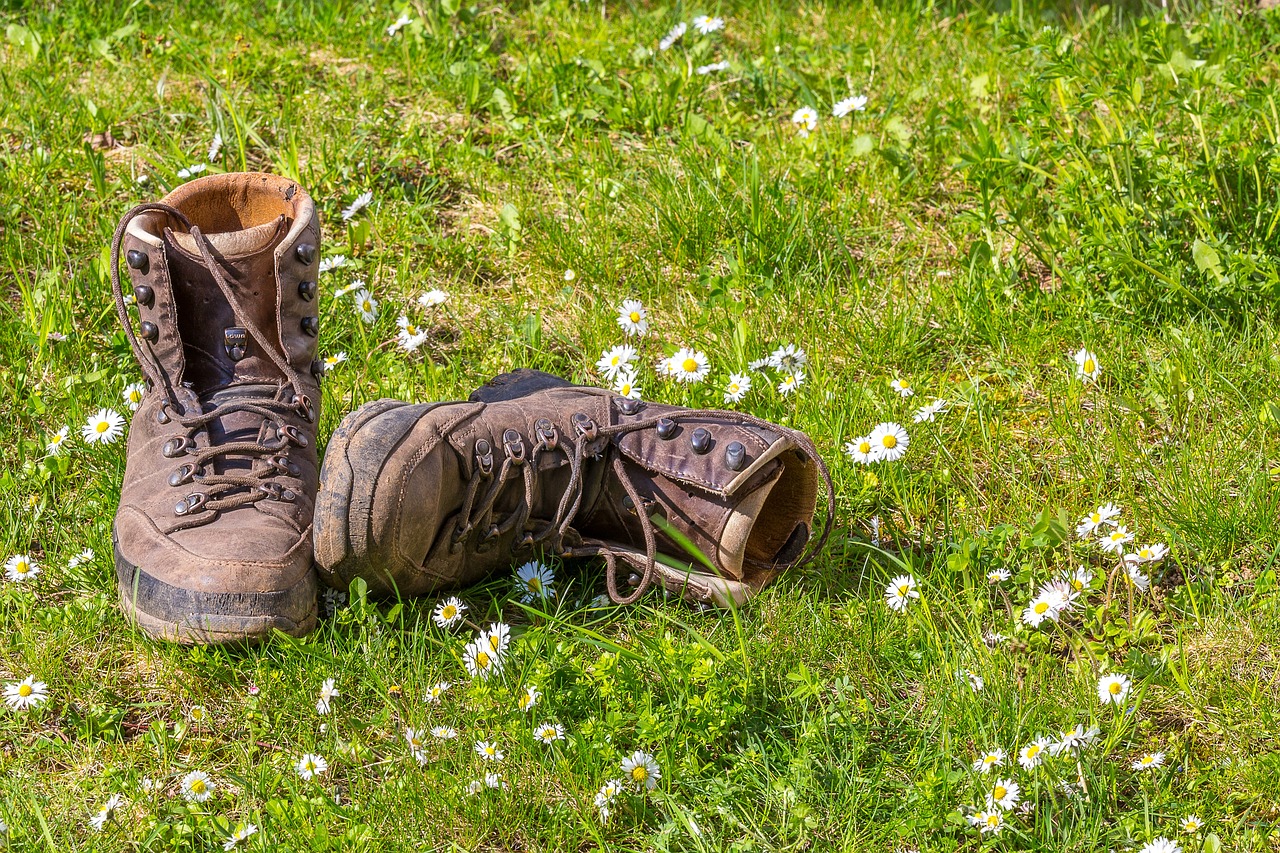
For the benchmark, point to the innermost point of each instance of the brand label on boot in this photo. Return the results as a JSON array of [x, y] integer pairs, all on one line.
[[235, 340]]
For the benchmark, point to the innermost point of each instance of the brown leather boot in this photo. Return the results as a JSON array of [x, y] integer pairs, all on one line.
[[213, 534], [417, 498]]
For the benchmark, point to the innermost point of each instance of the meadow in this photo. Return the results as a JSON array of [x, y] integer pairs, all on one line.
[[1040, 239]]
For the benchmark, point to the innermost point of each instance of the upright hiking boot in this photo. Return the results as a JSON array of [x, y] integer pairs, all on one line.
[[418, 498], [213, 534]]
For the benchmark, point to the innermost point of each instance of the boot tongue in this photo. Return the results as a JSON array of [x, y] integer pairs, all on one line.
[[237, 426]]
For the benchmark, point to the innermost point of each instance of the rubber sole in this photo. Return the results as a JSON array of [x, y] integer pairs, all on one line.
[[189, 617]]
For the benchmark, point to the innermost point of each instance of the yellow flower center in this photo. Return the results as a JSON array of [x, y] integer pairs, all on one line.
[[1041, 607], [689, 365], [22, 568], [1145, 553], [903, 590], [25, 690], [634, 316], [366, 306], [493, 642], [1033, 751], [535, 584], [135, 396], [198, 786], [864, 447], [1095, 518], [448, 612], [999, 792], [639, 773], [1089, 365], [482, 660], [1148, 759], [102, 426], [993, 819], [1115, 688], [890, 441], [904, 384]]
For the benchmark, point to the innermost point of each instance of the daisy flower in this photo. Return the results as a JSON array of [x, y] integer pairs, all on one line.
[[529, 698], [417, 744], [1148, 554], [480, 660], [989, 759], [1004, 795], [704, 70], [548, 733], [1191, 824], [196, 786], [899, 592], [1161, 845], [242, 833], [632, 317], [931, 411], [570, 275], [1113, 689], [475, 786], [331, 361], [1137, 577], [191, 171], [642, 770], [448, 613], [673, 35], [852, 104], [333, 263], [103, 427], [860, 450], [496, 638], [215, 147], [1114, 542], [903, 387], [758, 365], [435, 693], [99, 820], [615, 360], [21, 567], [1079, 580], [1087, 367], [1068, 740], [689, 365], [494, 780], [988, 822], [626, 385], [56, 442], [805, 119], [399, 24], [132, 395], [310, 766], [432, 298], [997, 576], [1103, 516], [790, 383], [366, 305], [360, 203], [1149, 761], [327, 692], [890, 442], [1042, 607], [444, 732], [488, 751], [706, 24], [739, 385], [411, 336], [80, 559], [788, 358], [975, 681], [1032, 755]]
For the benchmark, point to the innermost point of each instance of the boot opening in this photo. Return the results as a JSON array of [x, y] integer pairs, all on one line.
[[235, 202], [781, 527]]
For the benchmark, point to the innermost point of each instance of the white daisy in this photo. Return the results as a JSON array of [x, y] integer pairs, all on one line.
[[689, 365], [627, 385], [529, 698], [399, 24], [1149, 761], [99, 820], [706, 24], [21, 567], [103, 427], [444, 732], [861, 450], [132, 395], [436, 692], [1087, 367], [673, 35], [633, 318], [758, 365], [196, 786], [931, 411], [1191, 824], [533, 581], [191, 171], [480, 660], [903, 387], [242, 833], [852, 104], [327, 692], [998, 576], [548, 733], [988, 822], [1068, 740], [475, 786], [57, 442], [332, 263], [494, 780], [1004, 795], [1113, 689], [416, 738], [1032, 755], [739, 385], [85, 556], [360, 203], [1148, 554], [642, 770], [1079, 580], [1140, 579], [788, 358], [790, 383], [496, 638], [1114, 542], [432, 298], [329, 362], [570, 275], [215, 147], [449, 613], [1042, 607], [489, 751], [890, 442], [899, 592], [805, 119], [989, 759], [411, 336], [1103, 516], [310, 766], [615, 360], [1161, 845], [975, 681], [704, 70], [366, 305]]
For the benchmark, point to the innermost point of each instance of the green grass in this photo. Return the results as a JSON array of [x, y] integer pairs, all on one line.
[[1025, 181]]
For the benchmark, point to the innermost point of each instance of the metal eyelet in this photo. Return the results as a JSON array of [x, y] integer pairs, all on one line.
[[175, 447], [303, 404], [182, 475], [546, 433], [274, 491], [735, 456], [311, 326], [305, 253], [284, 465], [584, 425], [162, 413], [513, 446], [307, 290], [291, 433], [149, 331], [137, 260], [628, 406], [190, 503], [700, 441], [484, 457], [145, 296], [666, 428]]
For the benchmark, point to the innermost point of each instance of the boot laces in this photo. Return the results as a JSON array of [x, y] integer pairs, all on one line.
[[591, 440], [276, 436]]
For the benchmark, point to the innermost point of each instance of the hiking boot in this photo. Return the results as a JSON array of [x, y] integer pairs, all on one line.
[[418, 498], [213, 534]]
